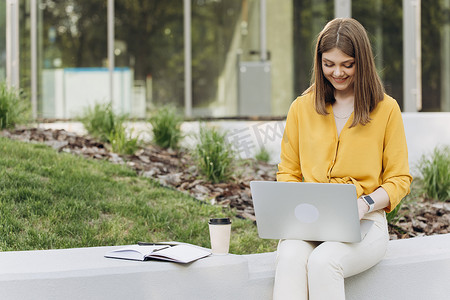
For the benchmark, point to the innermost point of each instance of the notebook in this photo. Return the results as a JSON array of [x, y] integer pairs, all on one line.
[[179, 253], [307, 211]]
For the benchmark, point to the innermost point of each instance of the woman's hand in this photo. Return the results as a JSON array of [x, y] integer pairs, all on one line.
[[363, 208]]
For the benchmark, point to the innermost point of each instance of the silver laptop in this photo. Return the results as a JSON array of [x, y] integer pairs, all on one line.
[[307, 211]]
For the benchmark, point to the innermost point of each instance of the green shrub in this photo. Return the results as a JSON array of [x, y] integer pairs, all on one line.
[[166, 127], [214, 155], [263, 155], [123, 143], [14, 107], [435, 173], [101, 121]]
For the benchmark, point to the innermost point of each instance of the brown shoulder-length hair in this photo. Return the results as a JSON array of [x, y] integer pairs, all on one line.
[[349, 36]]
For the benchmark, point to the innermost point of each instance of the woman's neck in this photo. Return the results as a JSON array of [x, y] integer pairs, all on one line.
[[342, 109], [344, 98], [344, 105]]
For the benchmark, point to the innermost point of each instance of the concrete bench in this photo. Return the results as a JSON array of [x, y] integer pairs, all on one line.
[[416, 268]]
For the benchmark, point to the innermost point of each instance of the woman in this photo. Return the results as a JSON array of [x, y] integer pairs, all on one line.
[[343, 129]]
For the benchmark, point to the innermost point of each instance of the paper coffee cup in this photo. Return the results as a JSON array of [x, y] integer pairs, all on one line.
[[219, 232]]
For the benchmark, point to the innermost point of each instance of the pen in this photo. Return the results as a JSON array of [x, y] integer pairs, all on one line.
[[146, 244], [155, 244], [156, 250]]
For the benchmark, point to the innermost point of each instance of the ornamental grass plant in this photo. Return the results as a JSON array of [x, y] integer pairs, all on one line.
[[166, 127], [214, 154], [123, 142], [101, 122], [435, 174], [263, 155], [14, 107]]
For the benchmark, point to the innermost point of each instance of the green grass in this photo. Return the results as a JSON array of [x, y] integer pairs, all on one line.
[[51, 200]]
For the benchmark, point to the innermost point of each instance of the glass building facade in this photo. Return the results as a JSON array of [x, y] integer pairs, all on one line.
[[232, 75], [2, 41]]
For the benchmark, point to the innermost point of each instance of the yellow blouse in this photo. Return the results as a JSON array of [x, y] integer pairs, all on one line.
[[367, 156]]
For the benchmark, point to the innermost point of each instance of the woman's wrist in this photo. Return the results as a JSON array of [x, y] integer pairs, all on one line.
[[363, 207], [369, 201], [361, 199]]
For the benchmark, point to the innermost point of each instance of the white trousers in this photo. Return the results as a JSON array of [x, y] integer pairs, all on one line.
[[316, 270]]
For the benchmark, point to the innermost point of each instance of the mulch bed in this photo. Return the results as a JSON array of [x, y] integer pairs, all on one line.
[[175, 169]]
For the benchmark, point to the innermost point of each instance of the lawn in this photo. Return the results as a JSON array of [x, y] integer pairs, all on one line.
[[51, 200]]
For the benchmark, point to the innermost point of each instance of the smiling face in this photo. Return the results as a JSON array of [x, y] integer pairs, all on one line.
[[339, 69]]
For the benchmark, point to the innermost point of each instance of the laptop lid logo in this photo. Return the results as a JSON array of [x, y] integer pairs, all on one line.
[[306, 213]]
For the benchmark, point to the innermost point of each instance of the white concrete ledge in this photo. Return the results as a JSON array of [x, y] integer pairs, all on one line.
[[416, 268]]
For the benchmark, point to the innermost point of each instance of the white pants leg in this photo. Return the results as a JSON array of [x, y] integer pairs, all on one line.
[[291, 281], [318, 269]]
